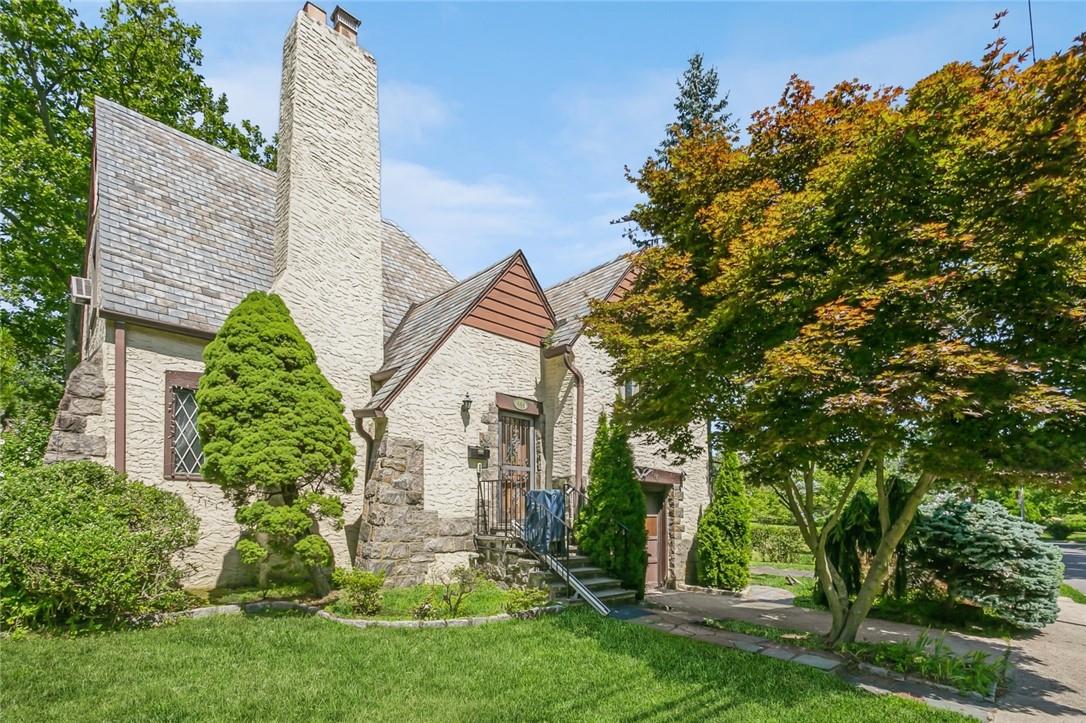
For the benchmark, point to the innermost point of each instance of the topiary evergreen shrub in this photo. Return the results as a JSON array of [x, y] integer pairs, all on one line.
[[723, 537], [985, 555], [274, 435], [610, 528], [82, 546]]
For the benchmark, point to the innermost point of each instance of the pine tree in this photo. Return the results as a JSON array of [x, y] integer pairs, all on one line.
[[274, 434], [723, 540], [610, 528], [698, 104]]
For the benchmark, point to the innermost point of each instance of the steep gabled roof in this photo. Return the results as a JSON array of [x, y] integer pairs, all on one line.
[[569, 299], [427, 325], [185, 229]]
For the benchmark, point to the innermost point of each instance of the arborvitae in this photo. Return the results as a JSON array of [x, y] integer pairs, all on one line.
[[723, 540], [274, 434], [611, 526]]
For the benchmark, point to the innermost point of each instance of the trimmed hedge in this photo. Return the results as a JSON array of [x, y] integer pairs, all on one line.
[[83, 546], [778, 543]]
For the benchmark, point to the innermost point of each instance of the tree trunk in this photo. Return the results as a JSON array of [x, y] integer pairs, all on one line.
[[880, 565]]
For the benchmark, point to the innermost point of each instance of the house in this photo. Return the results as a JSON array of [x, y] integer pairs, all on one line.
[[462, 394]]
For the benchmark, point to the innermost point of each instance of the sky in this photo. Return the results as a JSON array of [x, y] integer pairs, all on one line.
[[508, 126]]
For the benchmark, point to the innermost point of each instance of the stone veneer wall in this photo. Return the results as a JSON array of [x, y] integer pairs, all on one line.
[[84, 394], [397, 535]]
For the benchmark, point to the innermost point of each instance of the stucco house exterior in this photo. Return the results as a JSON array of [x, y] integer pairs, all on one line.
[[460, 393]]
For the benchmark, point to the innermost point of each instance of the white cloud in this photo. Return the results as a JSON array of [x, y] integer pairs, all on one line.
[[464, 223], [410, 113]]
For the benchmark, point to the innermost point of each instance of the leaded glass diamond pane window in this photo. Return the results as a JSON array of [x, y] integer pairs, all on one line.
[[188, 456]]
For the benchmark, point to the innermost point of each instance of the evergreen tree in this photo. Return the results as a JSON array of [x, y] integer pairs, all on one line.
[[723, 540], [987, 556], [274, 434], [698, 104], [610, 528]]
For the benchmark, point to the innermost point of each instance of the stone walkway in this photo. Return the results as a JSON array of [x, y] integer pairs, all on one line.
[[1048, 681]]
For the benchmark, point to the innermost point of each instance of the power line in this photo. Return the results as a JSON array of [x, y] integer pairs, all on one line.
[[1032, 42]]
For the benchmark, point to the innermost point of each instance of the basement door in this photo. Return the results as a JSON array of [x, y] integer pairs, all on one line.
[[516, 457]]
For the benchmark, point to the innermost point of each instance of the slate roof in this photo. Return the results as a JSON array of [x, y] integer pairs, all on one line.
[[185, 230], [569, 299], [427, 324]]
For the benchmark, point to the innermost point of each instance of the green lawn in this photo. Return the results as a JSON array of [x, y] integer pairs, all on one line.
[[1068, 591], [573, 666]]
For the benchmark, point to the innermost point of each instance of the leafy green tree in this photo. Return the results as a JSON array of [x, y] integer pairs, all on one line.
[[723, 539], [861, 282], [274, 435], [987, 556], [610, 528], [52, 65], [697, 106]]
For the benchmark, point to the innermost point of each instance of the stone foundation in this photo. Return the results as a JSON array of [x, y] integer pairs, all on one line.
[[84, 393], [396, 535], [503, 559]]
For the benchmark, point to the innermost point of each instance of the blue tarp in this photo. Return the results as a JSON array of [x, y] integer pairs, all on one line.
[[545, 512]]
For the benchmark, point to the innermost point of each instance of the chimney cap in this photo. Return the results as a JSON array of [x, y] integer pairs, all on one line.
[[342, 17], [316, 12]]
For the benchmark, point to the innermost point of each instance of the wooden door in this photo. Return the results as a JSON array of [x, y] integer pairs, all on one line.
[[655, 539], [516, 457], [652, 547]]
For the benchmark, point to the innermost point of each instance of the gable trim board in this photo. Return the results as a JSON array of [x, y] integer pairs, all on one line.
[[528, 322]]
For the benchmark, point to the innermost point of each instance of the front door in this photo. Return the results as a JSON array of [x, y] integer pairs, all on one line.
[[655, 539], [516, 459]]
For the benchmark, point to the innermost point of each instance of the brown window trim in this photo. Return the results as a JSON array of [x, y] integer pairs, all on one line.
[[518, 405], [185, 380]]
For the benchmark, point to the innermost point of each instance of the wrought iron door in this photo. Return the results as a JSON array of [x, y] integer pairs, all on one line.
[[516, 459]]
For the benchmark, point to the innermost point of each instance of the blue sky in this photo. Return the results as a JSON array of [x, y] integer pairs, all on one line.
[[507, 125]]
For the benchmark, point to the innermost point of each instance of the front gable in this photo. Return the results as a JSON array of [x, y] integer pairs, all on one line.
[[514, 307]]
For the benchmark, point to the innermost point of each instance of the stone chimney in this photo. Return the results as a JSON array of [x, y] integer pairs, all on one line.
[[328, 199]]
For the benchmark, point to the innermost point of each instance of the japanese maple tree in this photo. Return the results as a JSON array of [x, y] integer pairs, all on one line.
[[875, 273]]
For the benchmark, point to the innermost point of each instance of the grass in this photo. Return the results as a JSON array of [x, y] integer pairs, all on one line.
[[1076, 596], [397, 603], [573, 666], [803, 589], [927, 658]]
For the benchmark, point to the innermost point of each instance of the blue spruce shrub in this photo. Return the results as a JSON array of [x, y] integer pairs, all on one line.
[[989, 557]]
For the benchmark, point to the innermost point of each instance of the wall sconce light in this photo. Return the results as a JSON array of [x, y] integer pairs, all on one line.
[[465, 406]]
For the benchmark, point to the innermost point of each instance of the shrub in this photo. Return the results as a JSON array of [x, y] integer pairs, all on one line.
[[986, 555], [274, 435], [1058, 530], [520, 601], [723, 538], [361, 589], [456, 588], [610, 528], [778, 543], [83, 546]]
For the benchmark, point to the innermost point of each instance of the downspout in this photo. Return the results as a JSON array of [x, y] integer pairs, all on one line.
[[578, 448], [120, 396]]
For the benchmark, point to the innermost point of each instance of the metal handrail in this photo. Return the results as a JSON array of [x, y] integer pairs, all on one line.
[[571, 580]]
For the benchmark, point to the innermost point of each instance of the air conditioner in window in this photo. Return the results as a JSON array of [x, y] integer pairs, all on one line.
[[81, 290]]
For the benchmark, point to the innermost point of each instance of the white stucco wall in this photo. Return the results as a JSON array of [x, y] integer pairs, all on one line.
[[150, 354], [471, 362]]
